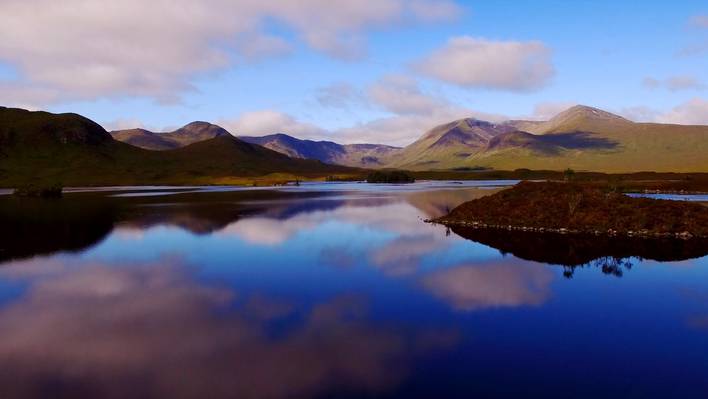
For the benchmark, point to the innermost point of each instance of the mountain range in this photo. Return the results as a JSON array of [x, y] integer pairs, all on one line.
[[581, 138], [189, 134], [361, 155], [69, 149]]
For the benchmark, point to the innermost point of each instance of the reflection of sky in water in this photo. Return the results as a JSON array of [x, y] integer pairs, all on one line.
[[361, 297], [674, 197]]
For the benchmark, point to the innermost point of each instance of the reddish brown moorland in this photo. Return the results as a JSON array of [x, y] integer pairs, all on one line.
[[577, 208]]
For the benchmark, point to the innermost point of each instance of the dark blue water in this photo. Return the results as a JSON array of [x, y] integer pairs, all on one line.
[[334, 291]]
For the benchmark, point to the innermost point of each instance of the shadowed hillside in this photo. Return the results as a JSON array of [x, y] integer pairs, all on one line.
[[68, 149], [360, 155]]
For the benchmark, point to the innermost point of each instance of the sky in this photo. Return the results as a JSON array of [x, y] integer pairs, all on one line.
[[378, 71]]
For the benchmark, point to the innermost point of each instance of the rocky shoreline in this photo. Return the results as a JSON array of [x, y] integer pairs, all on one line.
[[644, 233]]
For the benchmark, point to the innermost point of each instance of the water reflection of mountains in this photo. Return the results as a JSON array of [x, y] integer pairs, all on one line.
[[30, 227], [611, 254], [38, 227]]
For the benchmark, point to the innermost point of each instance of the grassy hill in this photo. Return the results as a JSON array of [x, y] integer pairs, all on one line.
[[189, 134], [448, 145], [591, 139], [40, 147], [581, 138]]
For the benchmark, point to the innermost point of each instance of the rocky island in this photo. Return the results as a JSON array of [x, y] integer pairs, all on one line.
[[573, 208]]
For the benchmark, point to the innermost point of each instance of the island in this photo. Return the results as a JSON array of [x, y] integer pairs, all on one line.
[[575, 208]]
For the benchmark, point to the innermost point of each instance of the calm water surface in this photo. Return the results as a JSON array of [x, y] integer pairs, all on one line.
[[335, 290]]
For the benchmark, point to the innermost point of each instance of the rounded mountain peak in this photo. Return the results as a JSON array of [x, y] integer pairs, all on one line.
[[201, 127], [584, 111]]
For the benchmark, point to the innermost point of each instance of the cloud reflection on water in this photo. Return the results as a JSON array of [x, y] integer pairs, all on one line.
[[151, 330], [493, 285]]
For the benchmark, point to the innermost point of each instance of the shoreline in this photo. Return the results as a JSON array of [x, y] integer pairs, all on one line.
[[644, 234]]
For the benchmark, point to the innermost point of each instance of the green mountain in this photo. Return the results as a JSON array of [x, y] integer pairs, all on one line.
[[448, 145], [189, 134], [69, 149], [581, 138], [358, 155]]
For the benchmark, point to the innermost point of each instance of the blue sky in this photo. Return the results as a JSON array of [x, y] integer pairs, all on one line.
[[400, 67]]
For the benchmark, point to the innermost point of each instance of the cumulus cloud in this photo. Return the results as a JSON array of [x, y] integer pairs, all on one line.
[[481, 63], [691, 112], [339, 95], [674, 83], [411, 110], [264, 122], [699, 21], [90, 49], [400, 94], [639, 113], [547, 110]]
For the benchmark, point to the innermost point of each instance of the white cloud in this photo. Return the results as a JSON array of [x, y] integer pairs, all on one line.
[[692, 112], [79, 49], [482, 63], [412, 113], [264, 122], [547, 110], [124, 123], [699, 21], [339, 95], [639, 113], [684, 82], [674, 83], [400, 94]]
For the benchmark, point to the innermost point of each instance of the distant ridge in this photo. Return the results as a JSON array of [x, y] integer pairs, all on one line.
[[358, 155], [69, 149], [189, 134]]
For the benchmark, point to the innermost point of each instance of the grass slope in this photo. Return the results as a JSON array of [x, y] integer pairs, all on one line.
[[581, 138]]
